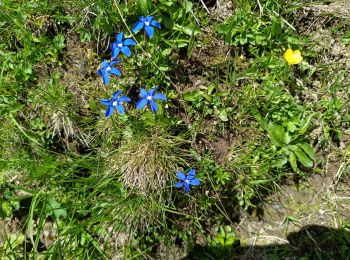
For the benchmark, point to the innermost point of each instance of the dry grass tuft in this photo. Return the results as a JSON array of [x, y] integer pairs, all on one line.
[[66, 130], [147, 163]]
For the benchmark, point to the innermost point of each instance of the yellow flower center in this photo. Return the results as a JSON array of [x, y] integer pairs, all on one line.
[[293, 57]]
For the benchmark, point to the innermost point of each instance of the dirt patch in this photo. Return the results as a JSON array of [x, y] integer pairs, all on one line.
[[204, 62], [317, 202], [220, 149], [326, 25], [222, 10]]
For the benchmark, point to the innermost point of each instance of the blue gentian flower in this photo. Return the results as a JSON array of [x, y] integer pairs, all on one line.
[[115, 103], [148, 97], [106, 68], [187, 180], [147, 23], [121, 45]]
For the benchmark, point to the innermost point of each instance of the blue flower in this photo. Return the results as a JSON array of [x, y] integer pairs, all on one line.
[[115, 103], [148, 97], [121, 45], [147, 23], [106, 68], [186, 181]]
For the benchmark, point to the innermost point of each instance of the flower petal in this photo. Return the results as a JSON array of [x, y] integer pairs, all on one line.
[[119, 36], [179, 184], [124, 99], [115, 95], [187, 187], [154, 106], [181, 176], [143, 93], [126, 51], [109, 111], [191, 173], [105, 76], [115, 52], [155, 23], [152, 90], [129, 42], [120, 109], [150, 31], [115, 71], [159, 96], [137, 26], [141, 103], [105, 102], [149, 18], [104, 64], [195, 182]]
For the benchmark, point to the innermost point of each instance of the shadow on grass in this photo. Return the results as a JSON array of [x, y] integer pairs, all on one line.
[[311, 242]]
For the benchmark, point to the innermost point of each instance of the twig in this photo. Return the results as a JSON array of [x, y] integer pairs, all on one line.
[[284, 20], [260, 8], [337, 176], [205, 7], [197, 21]]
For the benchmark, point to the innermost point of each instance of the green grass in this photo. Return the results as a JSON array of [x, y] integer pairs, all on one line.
[[76, 185]]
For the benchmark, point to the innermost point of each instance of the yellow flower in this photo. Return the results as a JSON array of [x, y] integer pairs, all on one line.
[[293, 57]]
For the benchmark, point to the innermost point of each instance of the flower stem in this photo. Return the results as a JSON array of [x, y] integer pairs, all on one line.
[[145, 39]]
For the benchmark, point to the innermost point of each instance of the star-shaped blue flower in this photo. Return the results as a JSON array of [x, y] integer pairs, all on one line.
[[121, 45], [115, 103], [148, 97], [147, 23], [105, 69], [187, 180]]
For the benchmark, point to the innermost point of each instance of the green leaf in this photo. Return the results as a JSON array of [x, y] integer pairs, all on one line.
[[293, 161], [189, 29], [179, 42], [166, 52], [191, 96], [5, 209], [278, 134], [206, 96], [307, 148], [187, 5], [259, 39], [305, 124], [301, 156], [221, 240], [230, 241], [30, 218], [276, 28], [54, 209], [259, 118], [243, 40], [223, 115], [211, 88], [163, 68], [346, 38], [280, 162], [58, 42]]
